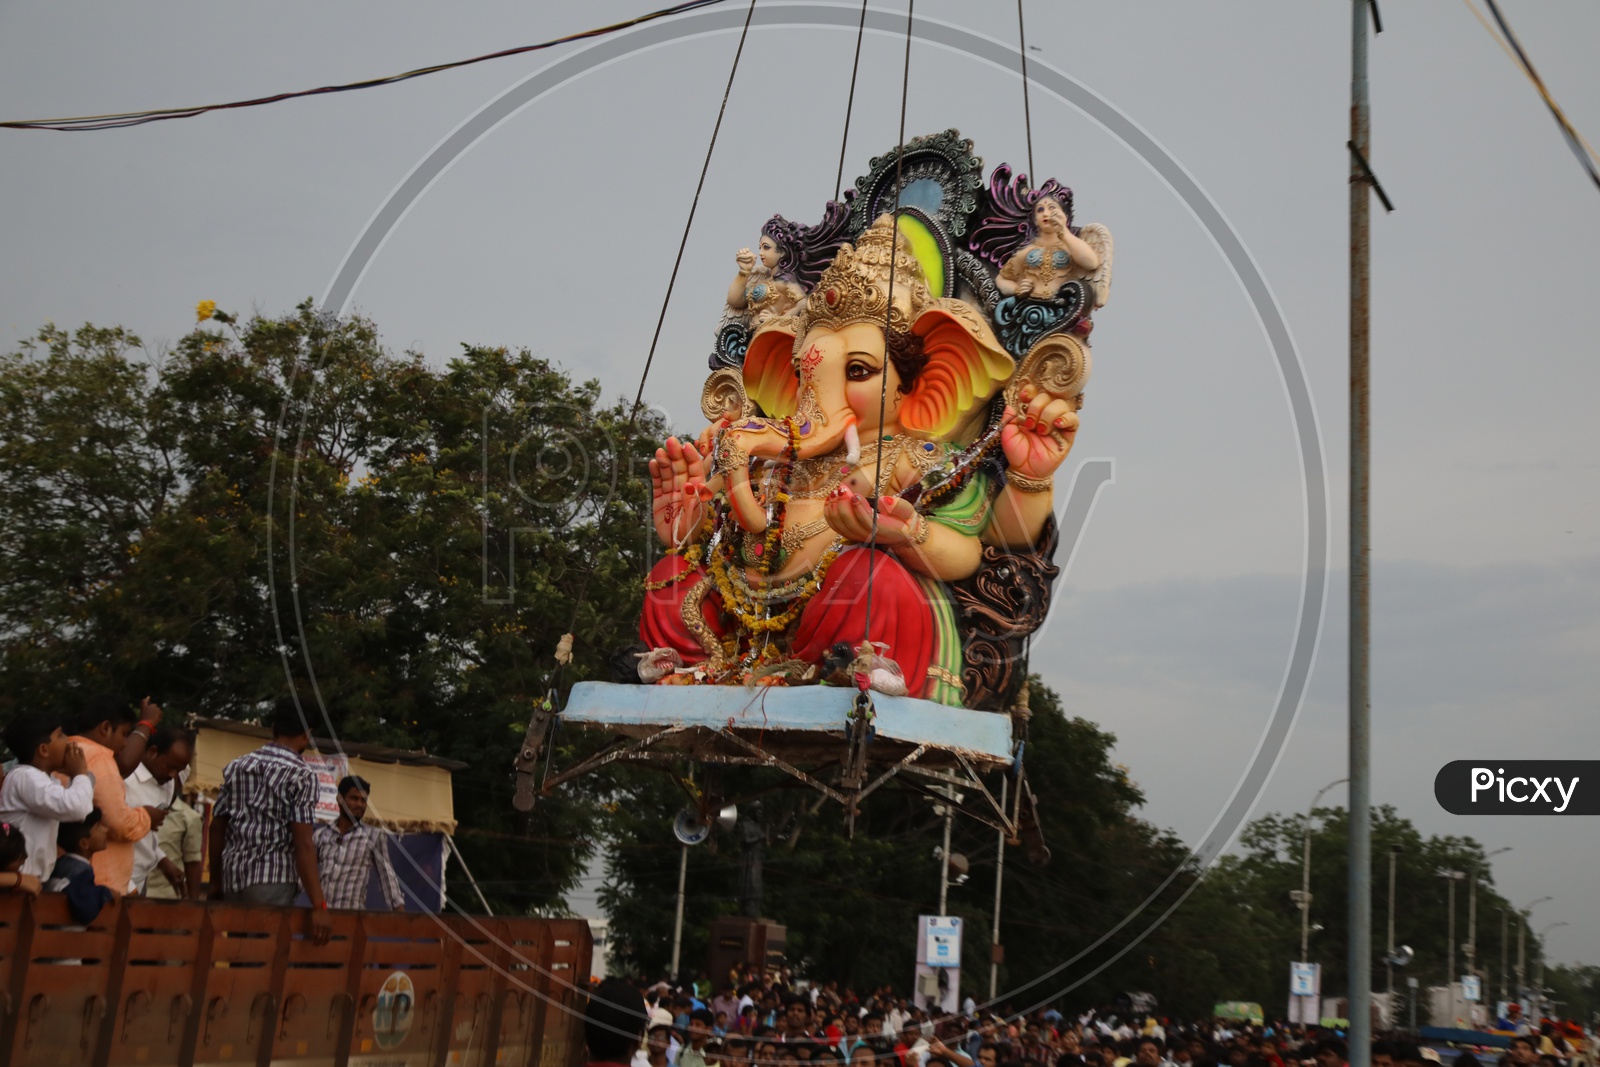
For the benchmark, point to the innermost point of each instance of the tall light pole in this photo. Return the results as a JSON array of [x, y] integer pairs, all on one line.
[[1363, 184], [999, 881], [1304, 899], [1472, 911], [1540, 982], [1302, 896], [677, 922], [1505, 917], [1450, 949], [1523, 914], [944, 856], [1388, 968]]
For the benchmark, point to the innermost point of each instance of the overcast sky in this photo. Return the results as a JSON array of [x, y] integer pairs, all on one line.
[[557, 232]]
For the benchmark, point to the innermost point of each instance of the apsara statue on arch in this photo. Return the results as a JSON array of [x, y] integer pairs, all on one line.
[[893, 392]]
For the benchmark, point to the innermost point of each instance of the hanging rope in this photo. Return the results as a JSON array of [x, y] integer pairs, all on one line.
[[1027, 128], [1027, 118], [894, 257], [123, 119], [1587, 157], [694, 206], [844, 138], [624, 454]]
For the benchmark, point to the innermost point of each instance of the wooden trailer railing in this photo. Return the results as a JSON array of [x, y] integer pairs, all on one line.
[[160, 983]]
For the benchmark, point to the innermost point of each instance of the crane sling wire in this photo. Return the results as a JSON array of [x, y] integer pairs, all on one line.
[[1027, 117], [1027, 130], [123, 119], [850, 102], [888, 316], [1581, 148], [625, 453]]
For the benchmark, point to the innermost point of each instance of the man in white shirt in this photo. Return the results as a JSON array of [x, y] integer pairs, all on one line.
[[155, 783], [32, 800]]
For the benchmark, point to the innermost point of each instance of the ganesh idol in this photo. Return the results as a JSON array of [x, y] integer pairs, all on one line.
[[876, 439]]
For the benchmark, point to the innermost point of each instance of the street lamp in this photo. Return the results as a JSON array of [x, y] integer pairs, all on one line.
[[1304, 899], [1388, 964], [1472, 910], [1540, 983], [1505, 916], [1450, 953], [1522, 939], [1303, 896]]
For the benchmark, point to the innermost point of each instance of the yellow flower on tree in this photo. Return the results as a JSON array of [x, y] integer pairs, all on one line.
[[204, 310]]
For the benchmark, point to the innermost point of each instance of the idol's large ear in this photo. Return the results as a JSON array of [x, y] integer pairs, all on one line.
[[966, 364], [769, 375]]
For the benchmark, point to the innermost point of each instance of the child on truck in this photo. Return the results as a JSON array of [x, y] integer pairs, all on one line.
[[74, 872]]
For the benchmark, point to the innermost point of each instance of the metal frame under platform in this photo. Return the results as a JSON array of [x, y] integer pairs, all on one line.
[[841, 743]]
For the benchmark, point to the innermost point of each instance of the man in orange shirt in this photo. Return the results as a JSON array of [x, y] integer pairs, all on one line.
[[102, 727]]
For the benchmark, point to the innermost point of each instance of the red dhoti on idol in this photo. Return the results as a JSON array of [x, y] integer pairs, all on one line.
[[683, 610]]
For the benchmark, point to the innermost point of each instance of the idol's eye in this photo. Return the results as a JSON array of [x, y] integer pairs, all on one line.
[[858, 371]]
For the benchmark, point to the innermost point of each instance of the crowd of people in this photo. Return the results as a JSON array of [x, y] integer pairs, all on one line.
[[769, 1024], [96, 807]]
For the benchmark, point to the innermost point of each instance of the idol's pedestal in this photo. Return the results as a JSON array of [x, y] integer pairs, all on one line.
[[736, 939]]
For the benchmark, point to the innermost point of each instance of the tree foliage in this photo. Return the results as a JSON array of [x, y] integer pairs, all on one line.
[[284, 503], [1268, 866]]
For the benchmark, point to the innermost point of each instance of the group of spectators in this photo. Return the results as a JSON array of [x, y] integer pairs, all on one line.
[[756, 1024], [95, 808]]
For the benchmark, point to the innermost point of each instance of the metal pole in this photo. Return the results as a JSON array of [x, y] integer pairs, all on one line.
[[1388, 968], [1472, 923], [1360, 866], [1472, 926], [944, 858], [1450, 949], [1540, 983], [1305, 877], [1505, 915], [1305, 891], [1522, 949], [1523, 915], [677, 922], [999, 876]]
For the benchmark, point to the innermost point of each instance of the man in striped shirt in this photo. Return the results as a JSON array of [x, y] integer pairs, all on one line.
[[349, 853], [262, 843]]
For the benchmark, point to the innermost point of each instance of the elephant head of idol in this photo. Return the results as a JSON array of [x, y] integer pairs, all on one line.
[[832, 374]]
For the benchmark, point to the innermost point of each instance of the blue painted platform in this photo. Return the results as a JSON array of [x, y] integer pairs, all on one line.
[[905, 722]]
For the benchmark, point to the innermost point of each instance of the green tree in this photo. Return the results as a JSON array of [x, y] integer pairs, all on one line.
[[1574, 991], [284, 502], [1268, 867]]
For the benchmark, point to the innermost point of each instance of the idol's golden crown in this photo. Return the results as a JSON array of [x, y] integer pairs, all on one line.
[[855, 287]]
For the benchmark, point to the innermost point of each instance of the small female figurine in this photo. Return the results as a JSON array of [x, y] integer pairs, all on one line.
[[756, 292], [1052, 258]]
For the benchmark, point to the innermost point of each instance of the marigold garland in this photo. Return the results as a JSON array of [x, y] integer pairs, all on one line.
[[751, 646], [691, 559], [751, 613]]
